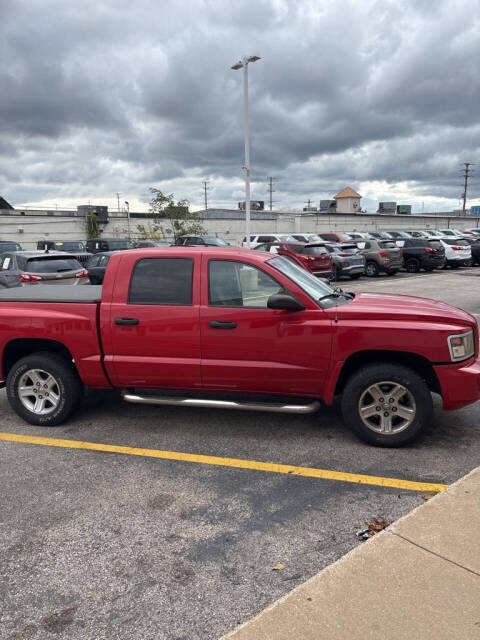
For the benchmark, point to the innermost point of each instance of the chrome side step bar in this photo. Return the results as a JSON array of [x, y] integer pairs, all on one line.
[[222, 404]]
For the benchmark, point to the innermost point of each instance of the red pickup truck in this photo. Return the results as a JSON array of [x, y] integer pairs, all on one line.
[[233, 328]]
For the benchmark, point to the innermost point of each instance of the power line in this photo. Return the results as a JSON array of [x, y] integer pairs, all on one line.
[[271, 189], [466, 174]]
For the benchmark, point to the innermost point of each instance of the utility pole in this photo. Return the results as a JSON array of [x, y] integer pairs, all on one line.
[[205, 187], [271, 190], [118, 203], [466, 174]]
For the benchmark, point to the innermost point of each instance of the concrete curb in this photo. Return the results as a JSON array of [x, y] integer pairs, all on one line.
[[420, 578]]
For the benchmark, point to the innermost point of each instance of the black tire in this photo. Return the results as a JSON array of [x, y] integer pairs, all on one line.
[[371, 269], [412, 265], [392, 272], [355, 394], [355, 276], [336, 274], [66, 386]]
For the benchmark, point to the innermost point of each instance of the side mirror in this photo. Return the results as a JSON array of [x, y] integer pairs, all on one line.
[[284, 301]]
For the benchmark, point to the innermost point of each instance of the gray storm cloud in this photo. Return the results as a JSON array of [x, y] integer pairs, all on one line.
[[108, 96]]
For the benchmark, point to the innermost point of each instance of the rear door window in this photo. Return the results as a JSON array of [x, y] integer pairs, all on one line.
[[266, 239], [162, 281]]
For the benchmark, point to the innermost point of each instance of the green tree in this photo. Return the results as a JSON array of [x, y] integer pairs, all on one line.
[[170, 218], [92, 226]]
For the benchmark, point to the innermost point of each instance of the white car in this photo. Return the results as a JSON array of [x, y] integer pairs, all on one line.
[[267, 237], [454, 233], [458, 253]]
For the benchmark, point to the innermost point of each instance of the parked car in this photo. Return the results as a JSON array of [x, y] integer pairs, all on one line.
[[420, 253], [475, 247], [357, 235], [458, 252], [75, 247], [393, 234], [203, 241], [33, 267], [268, 237], [333, 236], [453, 233], [378, 235], [70, 246], [7, 245], [312, 257], [347, 260], [97, 265], [381, 255], [143, 244], [100, 245], [307, 237]]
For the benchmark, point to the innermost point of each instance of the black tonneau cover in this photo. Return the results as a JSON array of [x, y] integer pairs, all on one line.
[[52, 293]]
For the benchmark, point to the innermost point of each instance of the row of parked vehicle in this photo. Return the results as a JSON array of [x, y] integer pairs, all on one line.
[[331, 255], [352, 254]]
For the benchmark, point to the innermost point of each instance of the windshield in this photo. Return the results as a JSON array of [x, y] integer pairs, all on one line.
[[69, 246], [456, 242], [120, 244], [216, 241], [314, 251], [52, 265], [314, 287], [9, 246]]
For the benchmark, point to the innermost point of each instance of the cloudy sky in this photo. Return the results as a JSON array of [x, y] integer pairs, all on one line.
[[106, 96]]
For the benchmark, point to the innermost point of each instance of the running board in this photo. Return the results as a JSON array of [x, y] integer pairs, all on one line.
[[222, 404]]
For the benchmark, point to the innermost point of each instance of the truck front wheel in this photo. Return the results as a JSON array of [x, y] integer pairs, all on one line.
[[387, 405], [44, 389]]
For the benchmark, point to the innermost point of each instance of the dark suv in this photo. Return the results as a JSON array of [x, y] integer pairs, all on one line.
[[99, 245], [419, 253], [75, 247]]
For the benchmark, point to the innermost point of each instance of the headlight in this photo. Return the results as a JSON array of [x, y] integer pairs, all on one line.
[[461, 346]]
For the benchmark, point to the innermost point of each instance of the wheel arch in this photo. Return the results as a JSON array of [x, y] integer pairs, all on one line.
[[21, 347], [419, 364]]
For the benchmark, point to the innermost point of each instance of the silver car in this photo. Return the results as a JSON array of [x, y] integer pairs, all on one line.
[[42, 267], [347, 260]]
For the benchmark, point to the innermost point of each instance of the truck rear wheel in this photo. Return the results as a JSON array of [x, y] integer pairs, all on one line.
[[387, 405], [44, 389]]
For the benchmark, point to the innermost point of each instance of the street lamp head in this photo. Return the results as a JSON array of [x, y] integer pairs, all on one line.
[[243, 63]]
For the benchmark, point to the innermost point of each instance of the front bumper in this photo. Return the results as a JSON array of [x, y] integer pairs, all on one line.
[[460, 383]]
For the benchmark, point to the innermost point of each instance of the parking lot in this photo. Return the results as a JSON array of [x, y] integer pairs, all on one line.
[[122, 542]]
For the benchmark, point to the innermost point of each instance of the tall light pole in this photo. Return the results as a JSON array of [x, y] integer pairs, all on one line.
[[243, 63]]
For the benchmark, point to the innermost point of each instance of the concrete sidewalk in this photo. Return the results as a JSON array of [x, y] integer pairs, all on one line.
[[417, 580]]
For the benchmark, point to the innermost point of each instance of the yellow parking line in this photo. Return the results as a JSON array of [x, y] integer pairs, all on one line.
[[307, 472]]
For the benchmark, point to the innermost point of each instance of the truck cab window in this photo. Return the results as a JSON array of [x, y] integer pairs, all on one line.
[[166, 281]]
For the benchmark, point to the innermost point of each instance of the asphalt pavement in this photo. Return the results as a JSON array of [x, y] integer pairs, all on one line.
[[102, 545]]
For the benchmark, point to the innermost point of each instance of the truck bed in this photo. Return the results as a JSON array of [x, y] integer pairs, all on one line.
[[53, 293]]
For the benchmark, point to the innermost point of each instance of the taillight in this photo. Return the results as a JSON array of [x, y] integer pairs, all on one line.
[[82, 274], [455, 248], [383, 254], [429, 250], [344, 255], [27, 277]]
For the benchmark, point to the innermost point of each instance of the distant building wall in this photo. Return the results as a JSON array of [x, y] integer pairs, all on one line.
[[230, 225]]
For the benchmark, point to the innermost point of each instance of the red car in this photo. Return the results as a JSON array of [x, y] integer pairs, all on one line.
[[236, 329], [313, 257]]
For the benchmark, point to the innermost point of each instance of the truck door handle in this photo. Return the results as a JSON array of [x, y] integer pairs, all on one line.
[[127, 321], [221, 324]]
